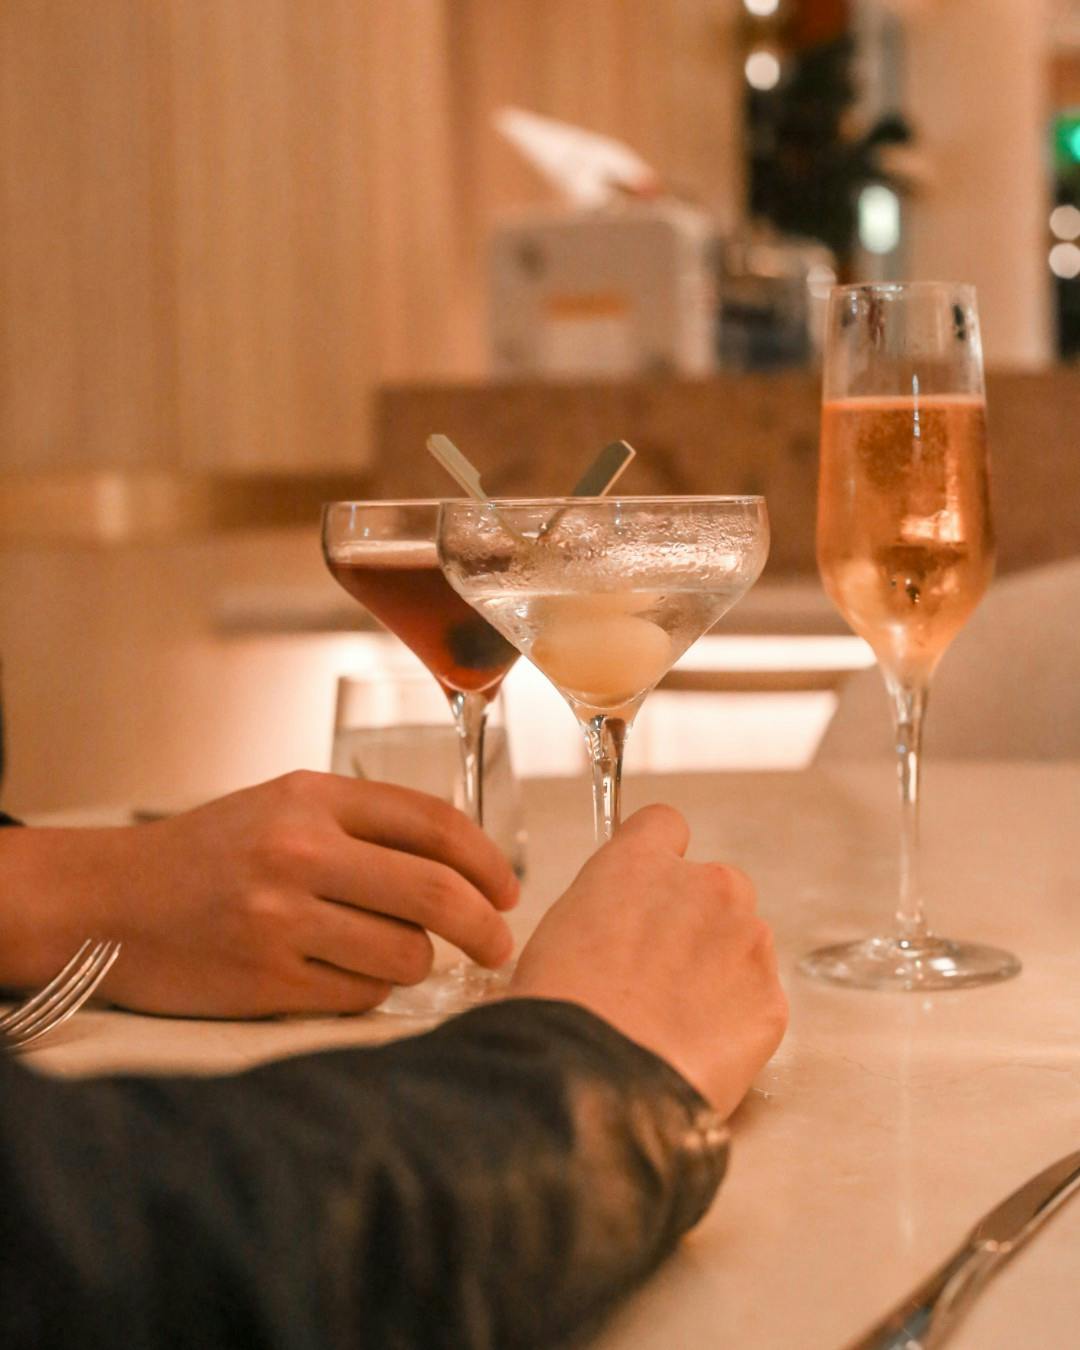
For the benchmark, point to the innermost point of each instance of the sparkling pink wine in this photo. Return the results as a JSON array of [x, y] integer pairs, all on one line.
[[905, 544]]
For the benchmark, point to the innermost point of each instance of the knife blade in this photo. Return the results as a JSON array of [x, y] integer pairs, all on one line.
[[929, 1313]]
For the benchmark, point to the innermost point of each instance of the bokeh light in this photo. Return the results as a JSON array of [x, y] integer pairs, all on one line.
[[1065, 222], [762, 69], [879, 218], [1065, 261], [819, 280]]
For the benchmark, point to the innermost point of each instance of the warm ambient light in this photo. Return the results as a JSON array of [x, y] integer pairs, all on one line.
[[1065, 261], [762, 69], [1065, 222], [879, 218], [819, 281], [762, 9]]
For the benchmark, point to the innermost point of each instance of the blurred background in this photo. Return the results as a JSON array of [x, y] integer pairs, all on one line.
[[253, 251]]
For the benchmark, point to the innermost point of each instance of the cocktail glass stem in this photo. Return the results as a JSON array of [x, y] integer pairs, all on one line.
[[607, 740], [909, 705], [470, 717]]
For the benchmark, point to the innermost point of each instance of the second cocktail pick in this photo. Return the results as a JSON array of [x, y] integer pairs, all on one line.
[[605, 470], [598, 478]]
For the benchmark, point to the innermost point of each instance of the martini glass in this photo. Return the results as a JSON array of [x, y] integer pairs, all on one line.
[[383, 554], [604, 595], [906, 549]]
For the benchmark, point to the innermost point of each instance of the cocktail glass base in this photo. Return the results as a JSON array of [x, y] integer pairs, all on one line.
[[911, 966], [447, 992]]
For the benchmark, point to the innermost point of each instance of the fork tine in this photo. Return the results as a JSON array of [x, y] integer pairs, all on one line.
[[65, 1001], [43, 995], [54, 993], [73, 1001]]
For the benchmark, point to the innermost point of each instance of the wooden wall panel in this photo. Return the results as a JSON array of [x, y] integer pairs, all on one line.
[[273, 341], [224, 222], [221, 224], [84, 278], [661, 76]]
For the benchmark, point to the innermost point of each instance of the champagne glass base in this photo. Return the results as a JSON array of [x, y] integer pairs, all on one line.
[[447, 992], [913, 966]]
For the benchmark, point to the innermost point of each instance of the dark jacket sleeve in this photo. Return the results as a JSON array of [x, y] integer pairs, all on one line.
[[497, 1182]]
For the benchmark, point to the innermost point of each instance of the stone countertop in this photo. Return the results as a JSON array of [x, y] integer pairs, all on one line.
[[886, 1124]]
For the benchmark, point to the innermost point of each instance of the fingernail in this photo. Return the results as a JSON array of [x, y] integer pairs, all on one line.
[[500, 953], [511, 895], [507, 950]]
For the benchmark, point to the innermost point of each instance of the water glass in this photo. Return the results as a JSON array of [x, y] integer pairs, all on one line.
[[394, 728]]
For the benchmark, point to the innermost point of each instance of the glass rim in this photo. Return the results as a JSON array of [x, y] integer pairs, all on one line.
[[383, 501], [743, 498], [892, 289], [702, 499]]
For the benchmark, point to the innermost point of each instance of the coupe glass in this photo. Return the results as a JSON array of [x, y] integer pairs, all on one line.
[[383, 554], [604, 595], [906, 549]]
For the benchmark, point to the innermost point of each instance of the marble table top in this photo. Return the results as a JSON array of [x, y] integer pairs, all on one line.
[[887, 1123]]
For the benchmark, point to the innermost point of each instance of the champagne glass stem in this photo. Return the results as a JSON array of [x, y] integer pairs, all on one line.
[[470, 717], [607, 740], [909, 705]]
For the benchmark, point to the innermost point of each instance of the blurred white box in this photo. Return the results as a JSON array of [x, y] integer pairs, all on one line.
[[628, 288]]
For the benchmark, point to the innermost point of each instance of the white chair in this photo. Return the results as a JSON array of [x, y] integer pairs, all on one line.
[[1007, 688]]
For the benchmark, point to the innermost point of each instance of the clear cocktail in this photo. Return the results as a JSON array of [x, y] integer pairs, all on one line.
[[604, 595]]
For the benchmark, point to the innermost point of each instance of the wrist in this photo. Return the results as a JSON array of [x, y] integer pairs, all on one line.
[[693, 1133], [57, 888]]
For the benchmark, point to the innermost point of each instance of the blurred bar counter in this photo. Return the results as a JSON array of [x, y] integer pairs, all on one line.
[[727, 434], [169, 634]]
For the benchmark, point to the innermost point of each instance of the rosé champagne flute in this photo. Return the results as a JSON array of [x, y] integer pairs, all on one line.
[[905, 548]]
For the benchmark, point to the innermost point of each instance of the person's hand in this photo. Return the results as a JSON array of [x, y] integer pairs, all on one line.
[[309, 893], [669, 952]]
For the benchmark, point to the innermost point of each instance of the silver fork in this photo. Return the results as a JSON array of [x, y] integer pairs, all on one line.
[[63, 996]]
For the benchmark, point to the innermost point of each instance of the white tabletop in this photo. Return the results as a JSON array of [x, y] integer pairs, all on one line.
[[886, 1124]]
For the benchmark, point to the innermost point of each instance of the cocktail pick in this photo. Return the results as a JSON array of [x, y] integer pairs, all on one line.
[[598, 478], [459, 468], [605, 470], [464, 472]]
